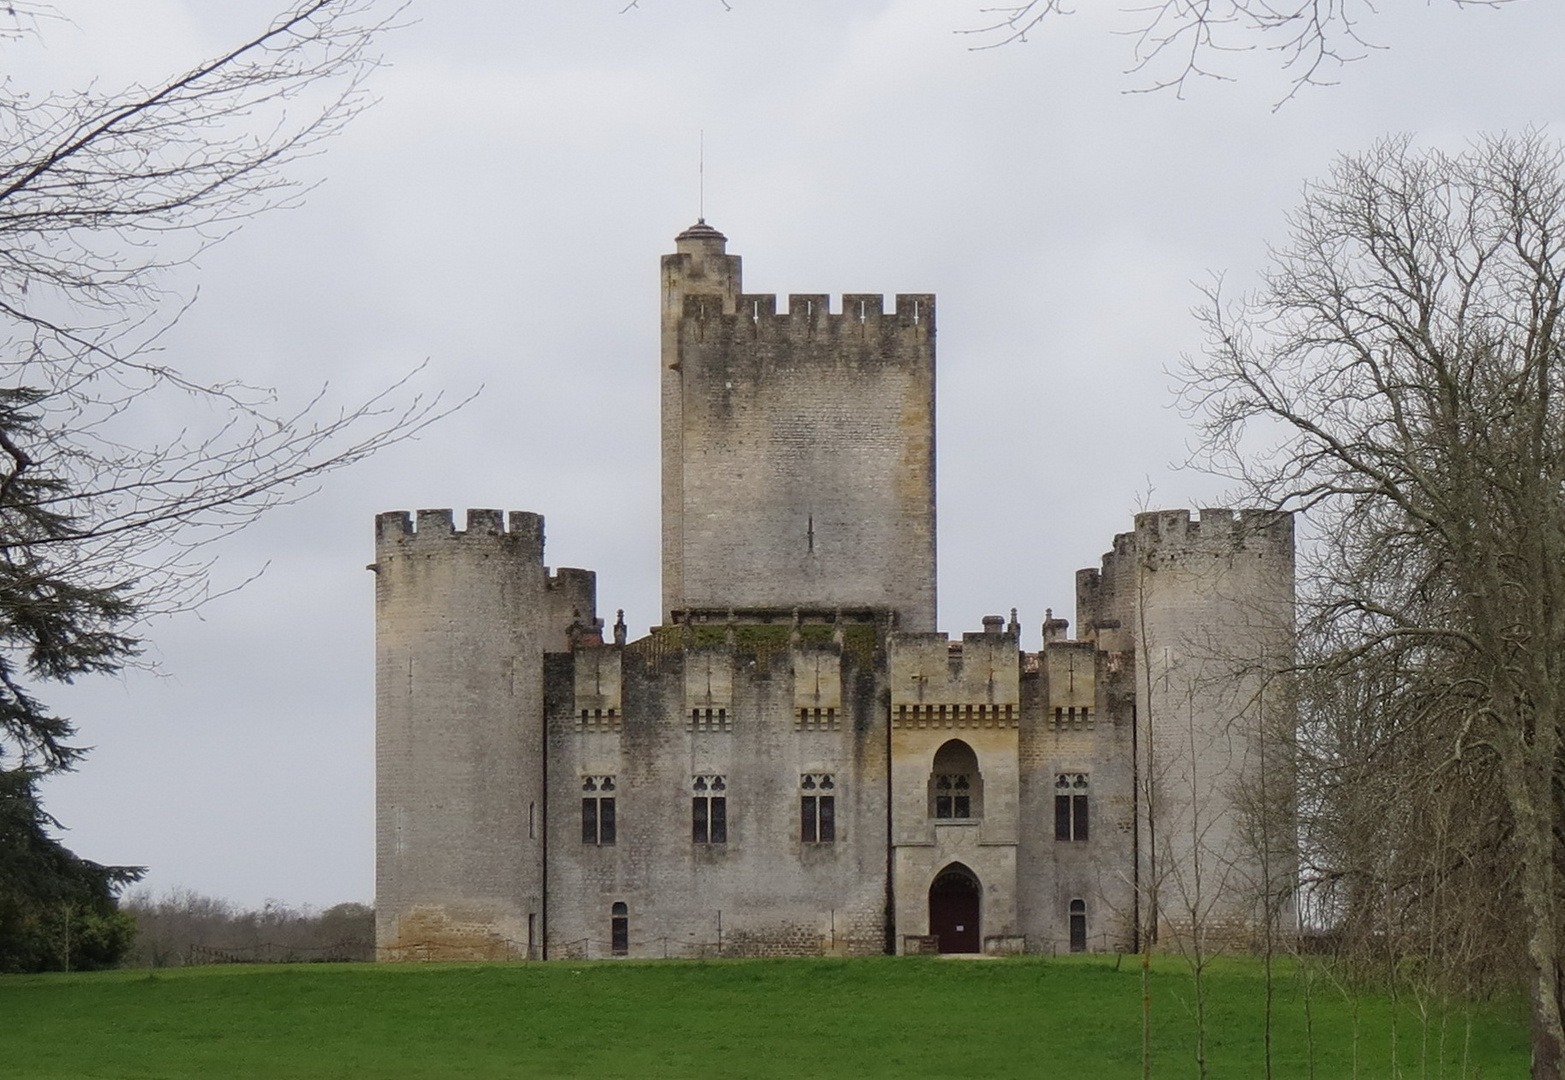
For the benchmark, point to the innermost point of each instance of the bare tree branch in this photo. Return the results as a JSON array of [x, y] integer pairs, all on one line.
[[1177, 41]]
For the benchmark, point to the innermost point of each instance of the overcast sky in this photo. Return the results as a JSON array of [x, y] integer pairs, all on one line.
[[500, 212]]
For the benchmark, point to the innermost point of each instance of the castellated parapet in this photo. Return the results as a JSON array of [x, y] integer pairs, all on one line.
[[462, 621], [798, 447]]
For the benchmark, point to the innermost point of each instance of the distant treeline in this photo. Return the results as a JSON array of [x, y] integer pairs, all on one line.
[[183, 927]]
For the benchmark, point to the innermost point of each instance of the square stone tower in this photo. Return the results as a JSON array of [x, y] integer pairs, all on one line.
[[798, 448]]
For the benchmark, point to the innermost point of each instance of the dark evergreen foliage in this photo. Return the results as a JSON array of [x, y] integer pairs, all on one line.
[[56, 910]]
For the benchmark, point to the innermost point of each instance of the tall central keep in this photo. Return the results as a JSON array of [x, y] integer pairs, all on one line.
[[798, 448]]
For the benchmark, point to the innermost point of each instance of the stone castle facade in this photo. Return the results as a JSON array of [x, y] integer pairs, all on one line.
[[795, 761]]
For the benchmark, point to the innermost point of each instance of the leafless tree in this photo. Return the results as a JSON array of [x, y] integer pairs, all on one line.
[[1177, 41], [131, 464], [183, 927], [1400, 378]]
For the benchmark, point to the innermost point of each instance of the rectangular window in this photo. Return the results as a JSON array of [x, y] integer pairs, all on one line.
[[619, 930], [698, 819], [597, 810], [1070, 807], [709, 819], [817, 819], [817, 808], [606, 821], [597, 820], [708, 810]]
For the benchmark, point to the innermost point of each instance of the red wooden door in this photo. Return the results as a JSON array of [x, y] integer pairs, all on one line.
[[954, 902]]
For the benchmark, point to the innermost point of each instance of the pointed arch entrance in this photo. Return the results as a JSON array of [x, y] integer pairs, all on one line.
[[955, 903]]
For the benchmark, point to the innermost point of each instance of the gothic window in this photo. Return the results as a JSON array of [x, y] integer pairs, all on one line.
[[1078, 925], [619, 930], [956, 785], [1070, 806], [708, 810], [597, 810], [817, 808], [953, 795]]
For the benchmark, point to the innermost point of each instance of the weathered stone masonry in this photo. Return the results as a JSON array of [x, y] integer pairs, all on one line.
[[795, 762]]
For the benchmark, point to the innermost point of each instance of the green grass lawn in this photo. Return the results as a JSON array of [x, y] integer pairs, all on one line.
[[892, 1017]]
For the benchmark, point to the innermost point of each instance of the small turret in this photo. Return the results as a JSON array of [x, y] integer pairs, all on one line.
[[702, 239], [700, 266]]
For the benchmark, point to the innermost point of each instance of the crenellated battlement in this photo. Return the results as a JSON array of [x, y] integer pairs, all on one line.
[[573, 578], [1215, 530], [814, 311], [400, 530], [931, 670], [1106, 595]]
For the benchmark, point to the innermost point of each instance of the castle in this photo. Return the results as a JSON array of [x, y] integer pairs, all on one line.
[[795, 762]]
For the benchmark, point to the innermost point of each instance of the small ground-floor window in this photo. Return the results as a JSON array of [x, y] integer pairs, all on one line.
[[619, 929], [1078, 926]]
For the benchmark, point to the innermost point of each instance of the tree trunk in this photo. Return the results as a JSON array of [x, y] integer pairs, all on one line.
[[1540, 901], [1548, 1030]]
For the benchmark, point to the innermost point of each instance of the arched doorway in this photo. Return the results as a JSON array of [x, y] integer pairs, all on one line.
[[954, 907]]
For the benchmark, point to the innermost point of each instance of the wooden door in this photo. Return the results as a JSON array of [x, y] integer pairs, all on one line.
[[954, 903]]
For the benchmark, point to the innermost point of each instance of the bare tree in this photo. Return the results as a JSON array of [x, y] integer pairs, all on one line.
[[1404, 359], [183, 927], [138, 465], [1177, 41], [117, 468]]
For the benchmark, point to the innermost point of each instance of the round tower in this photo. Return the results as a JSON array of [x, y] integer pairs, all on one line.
[[459, 638], [1212, 608]]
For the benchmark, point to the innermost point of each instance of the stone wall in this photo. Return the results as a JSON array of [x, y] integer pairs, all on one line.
[[721, 701], [798, 447], [1074, 725], [965, 692]]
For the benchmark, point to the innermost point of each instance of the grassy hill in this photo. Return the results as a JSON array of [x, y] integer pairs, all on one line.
[[892, 1017]]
